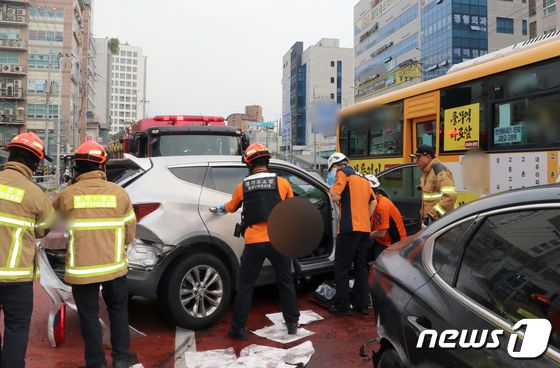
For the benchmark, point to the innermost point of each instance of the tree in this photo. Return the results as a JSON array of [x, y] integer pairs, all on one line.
[[114, 45]]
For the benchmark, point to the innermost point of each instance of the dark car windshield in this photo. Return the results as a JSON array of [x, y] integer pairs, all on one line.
[[196, 144]]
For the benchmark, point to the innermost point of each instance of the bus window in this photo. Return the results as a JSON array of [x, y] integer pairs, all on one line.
[[463, 95], [358, 142], [529, 121], [426, 133]]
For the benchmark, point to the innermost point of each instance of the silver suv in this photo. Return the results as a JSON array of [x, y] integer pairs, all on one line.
[[188, 257]]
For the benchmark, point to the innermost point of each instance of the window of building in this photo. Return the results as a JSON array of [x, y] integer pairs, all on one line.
[[122, 68], [549, 7], [123, 53], [135, 69], [128, 61], [550, 30], [128, 69], [511, 276], [332, 79], [524, 1], [332, 64], [504, 25], [121, 106], [9, 58], [332, 96], [40, 110], [128, 84], [533, 29], [532, 7], [121, 91], [135, 54], [524, 27], [46, 12], [48, 36], [134, 84], [134, 61], [10, 34], [36, 86]]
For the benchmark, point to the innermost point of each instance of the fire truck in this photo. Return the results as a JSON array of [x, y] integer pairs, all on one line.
[[179, 135]]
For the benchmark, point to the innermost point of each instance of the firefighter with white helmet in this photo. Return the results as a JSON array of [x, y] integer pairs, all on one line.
[[25, 213], [356, 203], [101, 222]]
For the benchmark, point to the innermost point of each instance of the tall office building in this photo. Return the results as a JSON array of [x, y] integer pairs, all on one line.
[[320, 75], [44, 63], [544, 17], [128, 87], [401, 42]]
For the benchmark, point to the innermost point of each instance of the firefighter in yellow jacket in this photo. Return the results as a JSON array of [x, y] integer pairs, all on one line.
[[438, 188], [25, 213], [100, 221]]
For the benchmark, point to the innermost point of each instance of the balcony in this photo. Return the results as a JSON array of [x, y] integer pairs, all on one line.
[[13, 45], [12, 90], [11, 69], [10, 16], [12, 116]]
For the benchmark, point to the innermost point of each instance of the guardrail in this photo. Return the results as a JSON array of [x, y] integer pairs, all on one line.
[[48, 182]]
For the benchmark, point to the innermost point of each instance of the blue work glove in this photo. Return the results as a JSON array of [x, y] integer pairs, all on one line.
[[219, 209], [331, 177]]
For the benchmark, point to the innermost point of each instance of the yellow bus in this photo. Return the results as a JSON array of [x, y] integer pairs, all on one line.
[[505, 104]]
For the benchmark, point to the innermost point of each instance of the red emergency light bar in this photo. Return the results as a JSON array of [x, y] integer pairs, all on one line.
[[205, 119]]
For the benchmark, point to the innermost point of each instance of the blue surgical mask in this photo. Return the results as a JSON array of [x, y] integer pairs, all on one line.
[[331, 177]]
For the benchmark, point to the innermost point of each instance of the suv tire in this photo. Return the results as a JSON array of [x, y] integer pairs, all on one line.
[[198, 291], [389, 359]]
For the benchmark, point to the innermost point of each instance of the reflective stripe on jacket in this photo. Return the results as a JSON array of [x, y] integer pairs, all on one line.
[[25, 213], [438, 190], [100, 222]]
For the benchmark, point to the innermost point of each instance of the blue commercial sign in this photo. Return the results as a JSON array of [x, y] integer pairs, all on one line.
[[323, 117]]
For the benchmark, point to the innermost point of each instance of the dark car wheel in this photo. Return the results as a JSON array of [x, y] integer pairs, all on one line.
[[198, 291], [389, 359]]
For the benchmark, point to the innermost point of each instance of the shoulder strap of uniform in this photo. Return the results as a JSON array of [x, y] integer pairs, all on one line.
[[348, 170], [439, 168]]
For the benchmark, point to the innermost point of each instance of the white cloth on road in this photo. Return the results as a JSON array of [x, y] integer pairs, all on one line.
[[306, 317], [253, 356], [210, 358], [279, 333]]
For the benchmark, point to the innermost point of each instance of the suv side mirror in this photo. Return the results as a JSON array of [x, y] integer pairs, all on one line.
[[132, 144], [245, 141]]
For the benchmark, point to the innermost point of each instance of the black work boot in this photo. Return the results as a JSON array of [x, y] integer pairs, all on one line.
[[132, 359], [238, 333], [292, 328], [337, 309]]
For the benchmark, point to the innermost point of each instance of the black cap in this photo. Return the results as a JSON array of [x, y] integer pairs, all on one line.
[[423, 150]]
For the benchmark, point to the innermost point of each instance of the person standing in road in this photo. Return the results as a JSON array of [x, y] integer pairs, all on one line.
[[25, 213], [101, 222], [356, 202], [438, 188], [386, 223], [258, 194]]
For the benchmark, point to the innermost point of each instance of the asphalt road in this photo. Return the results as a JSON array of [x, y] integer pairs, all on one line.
[[336, 340]]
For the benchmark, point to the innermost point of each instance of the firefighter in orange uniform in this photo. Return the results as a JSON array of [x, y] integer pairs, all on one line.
[[356, 201], [387, 223], [25, 213], [101, 222], [258, 194]]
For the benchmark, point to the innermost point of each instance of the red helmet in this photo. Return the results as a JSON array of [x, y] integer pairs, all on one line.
[[30, 142], [255, 151], [91, 151]]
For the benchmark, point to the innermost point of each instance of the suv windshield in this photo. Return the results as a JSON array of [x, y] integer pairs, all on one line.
[[196, 144]]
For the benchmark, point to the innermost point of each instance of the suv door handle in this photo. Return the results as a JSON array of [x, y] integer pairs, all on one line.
[[420, 323]]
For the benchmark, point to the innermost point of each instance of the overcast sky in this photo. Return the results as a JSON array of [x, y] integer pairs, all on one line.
[[213, 57]]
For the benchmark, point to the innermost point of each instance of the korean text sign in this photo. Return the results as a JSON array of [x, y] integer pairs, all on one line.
[[461, 127]]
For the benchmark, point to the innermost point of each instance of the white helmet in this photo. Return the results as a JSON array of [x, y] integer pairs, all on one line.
[[374, 182], [336, 158]]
